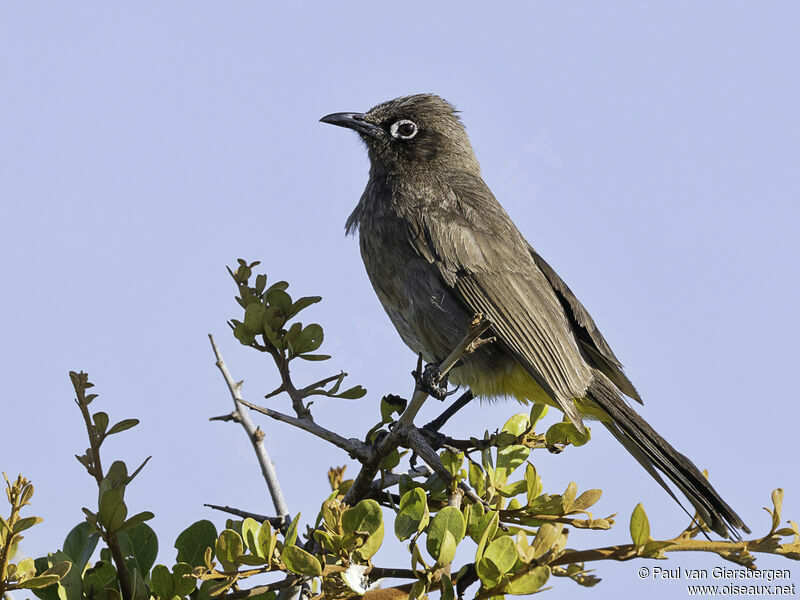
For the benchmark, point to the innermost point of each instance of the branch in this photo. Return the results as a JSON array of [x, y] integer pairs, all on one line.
[[625, 552], [276, 522], [355, 448], [255, 435], [363, 482]]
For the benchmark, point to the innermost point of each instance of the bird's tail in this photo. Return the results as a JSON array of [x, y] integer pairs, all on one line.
[[655, 454]]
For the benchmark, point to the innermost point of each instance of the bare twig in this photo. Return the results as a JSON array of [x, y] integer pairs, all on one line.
[[276, 522], [255, 436], [232, 416], [355, 448]]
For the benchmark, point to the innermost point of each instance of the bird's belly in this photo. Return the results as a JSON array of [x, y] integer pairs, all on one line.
[[425, 313]]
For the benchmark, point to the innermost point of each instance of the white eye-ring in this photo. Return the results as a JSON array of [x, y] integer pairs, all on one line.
[[403, 129]]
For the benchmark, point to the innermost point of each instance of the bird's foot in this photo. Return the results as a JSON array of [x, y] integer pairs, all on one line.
[[431, 381], [433, 437]]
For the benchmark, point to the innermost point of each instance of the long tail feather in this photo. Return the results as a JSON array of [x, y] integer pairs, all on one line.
[[654, 452]]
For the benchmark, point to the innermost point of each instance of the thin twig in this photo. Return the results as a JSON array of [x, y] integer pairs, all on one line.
[[355, 448], [276, 522], [255, 435]]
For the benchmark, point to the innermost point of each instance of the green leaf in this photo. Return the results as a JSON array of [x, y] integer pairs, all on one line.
[[546, 536], [448, 593], [25, 569], [508, 459], [140, 545], [486, 526], [533, 482], [371, 545], [562, 433], [517, 425], [26, 523], [98, 579], [193, 541], [417, 591], [448, 520], [253, 318], [136, 519], [538, 411], [139, 587], [568, 497], [80, 544], [250, 532], [447, 549], [241, 334], [229, 547], [279, 299], [261, 282], [291, 533], [41, 581], [777, 504], [502, 552], [315, 357], [161, 582], [412, 514], [100, 422], [182, 580], [513, 489], [529, 583], [302, 304], [365, 516], [309, 339], [452, 461], [291, 335], [488, 573], [117, 475], [112, 509], [477, 479], [639, 526], [267, 540], [354, 393], [587, 499], [70, 586], [301, 562], [123, 425]]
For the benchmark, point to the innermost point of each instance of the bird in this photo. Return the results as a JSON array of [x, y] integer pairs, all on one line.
[[440, 249]]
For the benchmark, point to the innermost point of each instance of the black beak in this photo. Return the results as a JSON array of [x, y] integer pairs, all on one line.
[[354, 121]]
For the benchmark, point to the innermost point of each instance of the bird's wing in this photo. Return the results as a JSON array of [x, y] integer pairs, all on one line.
[[484, 260], [590, 338]]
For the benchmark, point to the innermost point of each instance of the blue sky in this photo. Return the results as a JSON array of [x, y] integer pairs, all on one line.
[[649, 153]]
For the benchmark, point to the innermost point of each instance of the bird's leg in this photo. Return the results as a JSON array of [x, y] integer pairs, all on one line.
[[438, 422]]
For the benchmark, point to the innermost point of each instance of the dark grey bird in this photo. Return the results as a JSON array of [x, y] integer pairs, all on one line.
[[439, 249]]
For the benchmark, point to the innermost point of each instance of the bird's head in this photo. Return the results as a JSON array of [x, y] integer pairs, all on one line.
[[411, 133]]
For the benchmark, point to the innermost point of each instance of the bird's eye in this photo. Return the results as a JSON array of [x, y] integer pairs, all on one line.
[[403, 129]]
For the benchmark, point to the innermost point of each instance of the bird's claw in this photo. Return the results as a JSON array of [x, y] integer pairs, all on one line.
[[431, 382]]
